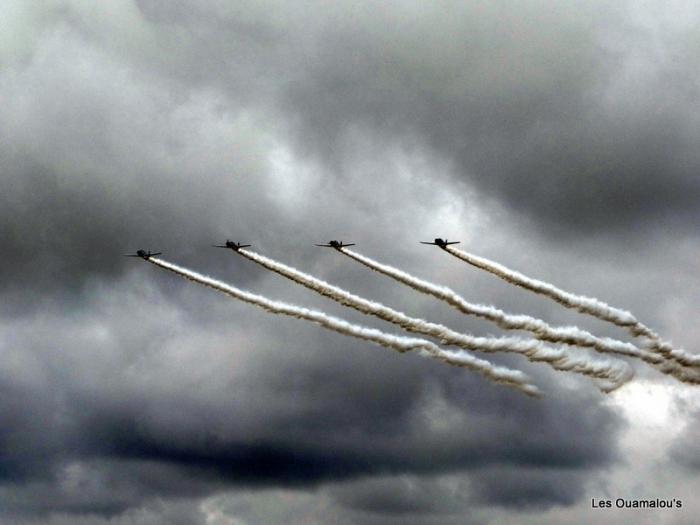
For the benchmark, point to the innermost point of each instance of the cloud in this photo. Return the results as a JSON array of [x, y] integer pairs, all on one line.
[[559, 113], [545, 109], [527, 488], [160, 512], [181, 408], [101, 160], [130, 397], [403, 496], [684, 451], [154, 126]]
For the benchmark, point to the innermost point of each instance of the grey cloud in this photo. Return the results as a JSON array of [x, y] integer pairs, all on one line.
[[527, 488], [143, 408], [100, 161], [557, 112], [685, 451], [511, 488], [161, 512], [527, 107], [172, 126], [108, 149], [403, 496]]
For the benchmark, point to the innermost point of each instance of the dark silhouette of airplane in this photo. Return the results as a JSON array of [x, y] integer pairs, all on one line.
[[439, 242], [143, 254], [235, 246], [335, 244]]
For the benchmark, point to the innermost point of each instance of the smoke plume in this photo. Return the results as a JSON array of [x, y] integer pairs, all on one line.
[[535, 351], [498, 374], [586, 305], [570, 335]]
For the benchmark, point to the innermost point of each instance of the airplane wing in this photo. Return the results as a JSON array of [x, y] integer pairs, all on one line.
[[245, 245], [453, 242], [423, 242], [346, 245], [323, 245], [131, 255]]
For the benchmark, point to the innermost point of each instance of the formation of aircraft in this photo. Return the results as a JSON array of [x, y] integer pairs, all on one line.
[[335, 244], [235, 246], [143, 254], [439, 242]]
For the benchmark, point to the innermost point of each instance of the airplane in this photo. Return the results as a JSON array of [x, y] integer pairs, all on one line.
[[439, 242], [235, 246], [335, 244], [143, 254]]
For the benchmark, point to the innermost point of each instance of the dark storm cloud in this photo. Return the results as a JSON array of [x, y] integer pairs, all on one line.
[[108, 149], [26, 446], [321, 450], [527, 489], [510, 488], [100, 160], [159, 512], [535, 108], [100, 489], [567, 115], [137, 407], [175, 125], [401, 496]]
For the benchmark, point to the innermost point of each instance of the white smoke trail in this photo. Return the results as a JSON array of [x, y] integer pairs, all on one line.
[[664, 348], [586, 305], [498, 374], [617, 372], [570, 335]]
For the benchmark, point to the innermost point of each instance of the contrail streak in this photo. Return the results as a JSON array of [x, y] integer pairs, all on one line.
[[586, 305], [617, 372], [498, 374], [570, 335]]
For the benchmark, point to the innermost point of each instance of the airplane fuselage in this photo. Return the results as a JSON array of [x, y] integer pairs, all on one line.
[[335, 244], [235, 246], [143, 254], [442, 243]]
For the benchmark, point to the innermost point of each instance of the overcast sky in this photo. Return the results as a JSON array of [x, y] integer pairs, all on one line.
[[560, 139]]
